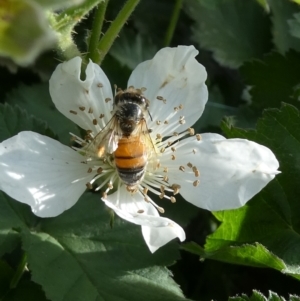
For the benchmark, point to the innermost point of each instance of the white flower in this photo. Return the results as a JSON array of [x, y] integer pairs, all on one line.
[[208, 170]]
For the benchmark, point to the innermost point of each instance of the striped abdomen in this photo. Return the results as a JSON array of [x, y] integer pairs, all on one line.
[[131, 160]]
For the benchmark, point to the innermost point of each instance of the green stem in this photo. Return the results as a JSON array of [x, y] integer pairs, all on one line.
[[93, 52], [19, 272], [173, 22], [115, 27]]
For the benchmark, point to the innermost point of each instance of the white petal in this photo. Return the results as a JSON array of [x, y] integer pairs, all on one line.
[[175, 75], [231, 171], [157, 230], [42, 173], [69, 93], [158, 237]]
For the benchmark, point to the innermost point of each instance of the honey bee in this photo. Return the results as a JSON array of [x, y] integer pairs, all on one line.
[[126, 137]]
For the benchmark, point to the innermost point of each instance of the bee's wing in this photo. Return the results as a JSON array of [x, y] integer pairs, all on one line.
[[106, 141], [145, 137]]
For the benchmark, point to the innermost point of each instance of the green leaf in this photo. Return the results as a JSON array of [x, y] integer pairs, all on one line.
[[223, 27], [86, 259], [131, 49], [6, 274], [14, 120], [257, 296], [255, 255], [294, 25], [13, 217], [36, 101], [26, 291], [24, 31], [266, 230], [282, 12], [273, 79], [58, 4]]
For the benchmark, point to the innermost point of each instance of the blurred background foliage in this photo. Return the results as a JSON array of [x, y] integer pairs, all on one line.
[[250, 49]]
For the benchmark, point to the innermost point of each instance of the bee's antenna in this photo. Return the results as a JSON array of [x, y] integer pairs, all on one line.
[[150, 115]]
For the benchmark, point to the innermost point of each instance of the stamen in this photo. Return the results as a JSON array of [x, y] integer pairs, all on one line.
[[172, 199], [160, 209], [140, 211], [89, 185], [95, 122], [81, 108], [176, 188], [73, 112], [91, 110], [190, 165], [191, 131], [182, 168], [99, 170], [173, 157], [107, 99], [198, 137], [196, 183], [99, 85], [101, 116], [90, 170], [165, 179]]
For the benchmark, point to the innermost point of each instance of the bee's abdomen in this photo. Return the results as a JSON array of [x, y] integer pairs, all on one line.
[[130, 160]]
